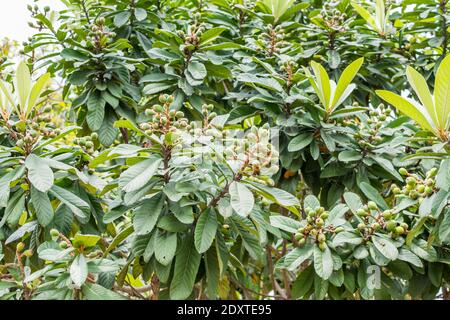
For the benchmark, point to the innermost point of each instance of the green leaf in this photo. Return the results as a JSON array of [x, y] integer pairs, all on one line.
[[93, 291], [322, 84], [406, 255], [407, 108], [435, 273], [444, 229], [344, 81], [420, 86], [37, 90], [443, 175], [43, 206], [147, 214], [197, 70], [353, 201], [108, 133], [365, 15], [79, 270], [23, 85], [187, 262], [222, 46], [14, 209], [156, 87], [77, 205], [241, 198], [373, 194], [157, 77], [140, 14], [311, 202], [278, 7], [423, 250], [349, 156], [73, 55], [121, 236], [300, 142], [139, 175], [95, 117], [303, 283], [442, 93], [85, 240], [400, 269], [205, 230], [165, 246], [19, 233], [122, 18], [297, 256], [334, 59], [285, 223], [211, 34], [347, 237], [386, 247], [323, 262], [51, 254], [39, 173], [278, 196], [388, 166]]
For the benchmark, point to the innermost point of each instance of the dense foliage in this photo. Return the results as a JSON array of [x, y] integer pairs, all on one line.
[[227, 149]]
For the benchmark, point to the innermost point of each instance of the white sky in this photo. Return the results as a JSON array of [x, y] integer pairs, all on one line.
[[14, 17]]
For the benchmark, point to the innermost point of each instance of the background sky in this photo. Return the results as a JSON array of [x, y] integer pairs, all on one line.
[[14, 17]]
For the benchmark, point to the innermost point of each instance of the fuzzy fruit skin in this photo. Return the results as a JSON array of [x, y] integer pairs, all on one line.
[[321, 237], [361, 226], [387, 214], [302, 241], [361, 213], [299, 236], [20, 247], [319, 222], [396, 190], [411, 181], [372, 205], [390, 225], [403, 171], [28, 253], [339, 229], [322, 246], [399, 230], [54, 233], [324, 215]]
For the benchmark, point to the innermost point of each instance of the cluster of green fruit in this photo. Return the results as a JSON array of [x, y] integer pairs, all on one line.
[[206, 129], [87, 143], [34, 10], [416, 187], [59, 237], [21, 252], [256, 154], [332, 17], [289, 67], [374, 220], [40, 126], [163, 119], [272, 40], [369, 132], [315, 228], [192, 36], [99, 36]]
